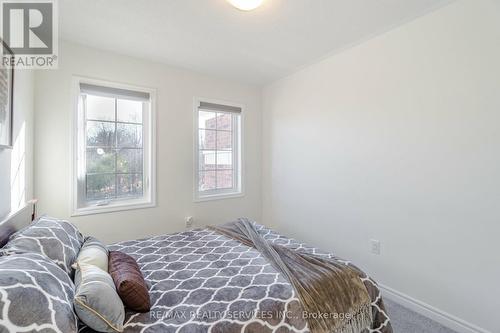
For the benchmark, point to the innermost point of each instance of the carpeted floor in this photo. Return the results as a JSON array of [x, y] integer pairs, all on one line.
[[406, 321]]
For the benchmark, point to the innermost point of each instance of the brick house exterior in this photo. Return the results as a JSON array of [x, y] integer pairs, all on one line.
[[219, 140]]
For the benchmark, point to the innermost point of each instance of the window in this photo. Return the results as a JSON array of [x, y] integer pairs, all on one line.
[[114, 148], [217, 151]]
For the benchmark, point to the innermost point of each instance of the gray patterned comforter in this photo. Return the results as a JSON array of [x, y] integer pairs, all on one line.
[[201, 281]]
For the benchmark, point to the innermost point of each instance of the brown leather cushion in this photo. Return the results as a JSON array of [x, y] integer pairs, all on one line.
[[129, 281]]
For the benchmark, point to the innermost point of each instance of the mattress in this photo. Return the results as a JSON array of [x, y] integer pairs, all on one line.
[[201, 281]]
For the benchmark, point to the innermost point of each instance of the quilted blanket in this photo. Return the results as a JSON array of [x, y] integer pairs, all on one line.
[[202, 281]]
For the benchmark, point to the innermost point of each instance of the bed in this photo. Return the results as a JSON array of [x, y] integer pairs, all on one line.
[[203, 281]]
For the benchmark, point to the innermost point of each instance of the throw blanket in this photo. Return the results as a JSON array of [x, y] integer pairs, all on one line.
[[332, 294]]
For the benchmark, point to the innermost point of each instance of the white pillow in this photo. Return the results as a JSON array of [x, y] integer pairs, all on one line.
[[93, 252]]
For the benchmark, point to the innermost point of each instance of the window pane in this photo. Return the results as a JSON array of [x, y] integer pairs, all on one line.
[[207, 139], [224, 160], [100, 134], [100, 187], [129, 135], [225, 179], [224, 140], [129, 111], [129, 161], [224, 121], [207, 181], [100, 108], [100, 160], [207, 160], [207, 120], [129, 185]]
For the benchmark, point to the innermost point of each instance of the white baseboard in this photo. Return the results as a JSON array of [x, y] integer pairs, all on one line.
[[444, 318]]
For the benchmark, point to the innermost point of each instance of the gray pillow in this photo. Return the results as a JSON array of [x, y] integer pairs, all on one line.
[[56, 239], [96, 301], [35, 292]]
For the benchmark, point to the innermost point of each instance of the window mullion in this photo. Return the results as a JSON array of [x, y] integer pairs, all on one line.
[[83, 153], [116, 148], [216, 153], [234, 139], [145, 182]]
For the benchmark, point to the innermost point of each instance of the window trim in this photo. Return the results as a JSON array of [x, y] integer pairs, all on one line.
[[221, 194], [149, 199]]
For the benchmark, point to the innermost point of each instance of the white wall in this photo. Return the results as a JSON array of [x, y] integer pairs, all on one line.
[[176, 89], [398, 139], [16, 164]]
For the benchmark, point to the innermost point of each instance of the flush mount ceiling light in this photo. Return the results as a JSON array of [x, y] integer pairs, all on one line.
[[246, 4]]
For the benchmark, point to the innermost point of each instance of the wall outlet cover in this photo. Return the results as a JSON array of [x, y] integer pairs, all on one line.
[[375, 246], [189, 222]]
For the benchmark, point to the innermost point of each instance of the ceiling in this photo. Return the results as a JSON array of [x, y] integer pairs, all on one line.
[[212, 37]]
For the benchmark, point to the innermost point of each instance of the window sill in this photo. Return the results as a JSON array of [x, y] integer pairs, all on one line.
[[113, 207], [219, 196]]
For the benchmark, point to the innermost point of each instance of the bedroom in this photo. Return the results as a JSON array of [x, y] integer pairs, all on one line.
[[365, 129]]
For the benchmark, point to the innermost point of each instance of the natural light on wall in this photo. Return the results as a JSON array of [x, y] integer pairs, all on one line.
[[18, 170], [246, 4]]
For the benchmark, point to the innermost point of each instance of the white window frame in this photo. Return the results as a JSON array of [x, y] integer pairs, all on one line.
[[238, 162], [148, 200]]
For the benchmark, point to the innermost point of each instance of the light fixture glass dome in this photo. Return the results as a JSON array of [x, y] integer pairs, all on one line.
[[246, 4]]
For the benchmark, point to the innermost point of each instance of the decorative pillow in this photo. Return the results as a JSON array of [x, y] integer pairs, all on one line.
[[96, 302], [35, 292], [93, 252], [129, 281], [58, 240]]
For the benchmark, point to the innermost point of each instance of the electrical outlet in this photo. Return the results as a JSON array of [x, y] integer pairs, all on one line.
[[189, 222], [375, 246]]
